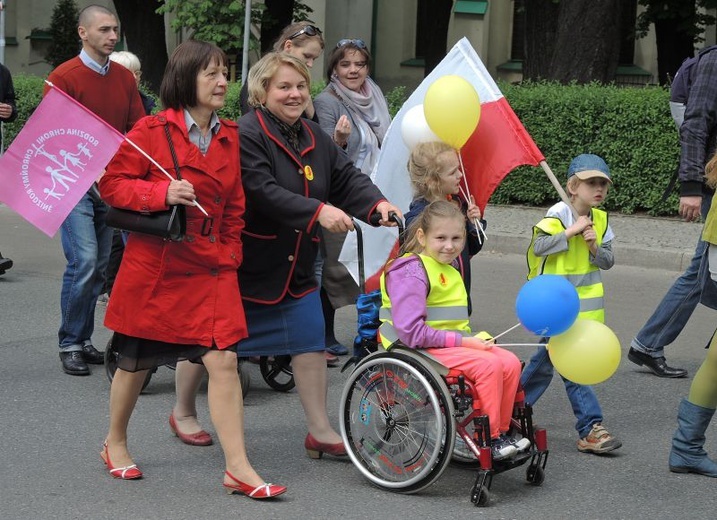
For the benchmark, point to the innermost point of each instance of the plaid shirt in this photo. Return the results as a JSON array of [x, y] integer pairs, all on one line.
[[698, 133]]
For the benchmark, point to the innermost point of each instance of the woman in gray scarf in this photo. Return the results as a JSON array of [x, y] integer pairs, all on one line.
[[353, 110]]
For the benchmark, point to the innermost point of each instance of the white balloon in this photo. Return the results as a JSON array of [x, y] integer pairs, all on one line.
[[415, 129]]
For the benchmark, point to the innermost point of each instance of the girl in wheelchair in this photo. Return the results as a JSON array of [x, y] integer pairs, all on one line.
[[425, 306]]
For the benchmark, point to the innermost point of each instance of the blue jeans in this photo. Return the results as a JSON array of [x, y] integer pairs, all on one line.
[[676, 307], [535, 380], [86, 242]]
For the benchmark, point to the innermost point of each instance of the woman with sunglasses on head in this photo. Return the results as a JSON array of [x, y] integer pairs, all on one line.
[[353, 96], [303, 41]]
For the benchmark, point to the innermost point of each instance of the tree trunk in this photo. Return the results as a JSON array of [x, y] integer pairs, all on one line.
[[587, 47], [541, 27], [277, 15], [144, 30], [435, 16]]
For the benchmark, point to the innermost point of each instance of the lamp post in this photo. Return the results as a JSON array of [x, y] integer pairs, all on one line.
[[2, 31], [245, 49]]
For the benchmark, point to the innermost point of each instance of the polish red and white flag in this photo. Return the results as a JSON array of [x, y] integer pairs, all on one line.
[[62, 149], [499, 144]]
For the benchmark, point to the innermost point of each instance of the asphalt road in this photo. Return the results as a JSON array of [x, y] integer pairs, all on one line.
[[52, 424]]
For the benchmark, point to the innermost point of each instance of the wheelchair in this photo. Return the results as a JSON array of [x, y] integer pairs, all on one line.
[[405, 417]]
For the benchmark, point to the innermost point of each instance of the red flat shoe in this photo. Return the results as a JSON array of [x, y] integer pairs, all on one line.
[[126, 473], [315, 449], [331, 360], [201, 438], [266, 490]]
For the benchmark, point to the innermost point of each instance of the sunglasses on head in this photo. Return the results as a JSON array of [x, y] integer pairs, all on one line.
[[309, 30], [358, 43]]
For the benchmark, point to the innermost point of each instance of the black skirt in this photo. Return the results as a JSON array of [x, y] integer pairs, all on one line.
[[135, 354]]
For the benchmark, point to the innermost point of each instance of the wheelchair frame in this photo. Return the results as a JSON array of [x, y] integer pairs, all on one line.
[[401, 413]]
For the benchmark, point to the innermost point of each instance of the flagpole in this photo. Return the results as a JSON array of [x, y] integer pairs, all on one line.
[[556, 184], [53, 87], [469, 199]]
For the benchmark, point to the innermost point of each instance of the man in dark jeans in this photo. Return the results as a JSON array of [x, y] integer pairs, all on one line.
[[698, 141], [8, 113]]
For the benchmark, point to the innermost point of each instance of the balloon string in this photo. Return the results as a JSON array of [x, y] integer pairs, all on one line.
[[506, 331], [521, 344], [466, 195]]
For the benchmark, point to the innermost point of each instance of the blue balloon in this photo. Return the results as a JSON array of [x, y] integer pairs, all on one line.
[[547, 305]]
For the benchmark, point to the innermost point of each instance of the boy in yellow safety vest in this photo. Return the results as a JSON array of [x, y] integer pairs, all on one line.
[[576, 248]]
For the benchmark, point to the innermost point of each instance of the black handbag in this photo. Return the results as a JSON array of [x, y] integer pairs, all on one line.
[[169, 224]]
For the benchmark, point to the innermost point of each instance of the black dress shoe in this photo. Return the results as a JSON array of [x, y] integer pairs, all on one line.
[[92, 356], [5, 264], [657, 365], [73, 364]]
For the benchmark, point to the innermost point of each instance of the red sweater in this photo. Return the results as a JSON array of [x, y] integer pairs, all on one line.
[[114, 97]]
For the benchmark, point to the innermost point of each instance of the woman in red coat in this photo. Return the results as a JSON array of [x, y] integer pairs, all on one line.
[[180, 300]]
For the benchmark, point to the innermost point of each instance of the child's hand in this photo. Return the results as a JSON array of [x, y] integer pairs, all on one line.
[[579, 226], [476, 343], [589, 235], [473, 210]]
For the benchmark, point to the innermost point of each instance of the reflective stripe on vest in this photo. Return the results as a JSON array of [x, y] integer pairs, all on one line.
[[446, 302], [574, 264]]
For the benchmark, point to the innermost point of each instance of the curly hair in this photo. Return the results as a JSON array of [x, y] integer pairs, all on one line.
[[425, 164]]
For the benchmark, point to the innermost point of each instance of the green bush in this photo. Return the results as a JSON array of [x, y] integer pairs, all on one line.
[[28, 93], [631, 128]]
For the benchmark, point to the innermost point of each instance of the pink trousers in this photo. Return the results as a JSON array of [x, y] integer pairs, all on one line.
[[495, 375]]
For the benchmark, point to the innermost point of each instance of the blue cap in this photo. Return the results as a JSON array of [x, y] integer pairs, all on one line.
[[587, 165]]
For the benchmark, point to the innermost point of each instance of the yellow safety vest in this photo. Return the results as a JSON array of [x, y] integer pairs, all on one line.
[[574, 264], [446, 302], [709, 233]]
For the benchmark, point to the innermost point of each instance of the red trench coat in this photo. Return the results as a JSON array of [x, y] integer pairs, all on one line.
[[179, 292]]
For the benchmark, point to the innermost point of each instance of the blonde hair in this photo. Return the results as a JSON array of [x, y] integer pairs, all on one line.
[[711, 172], [264, 70], [127, 60], [572, 185], [426, 220], [425, 165]]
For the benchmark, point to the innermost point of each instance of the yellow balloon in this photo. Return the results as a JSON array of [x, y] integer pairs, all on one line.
[[452, 109], [587, 353]]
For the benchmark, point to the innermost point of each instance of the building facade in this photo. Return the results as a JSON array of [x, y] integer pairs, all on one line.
[[391, 28]]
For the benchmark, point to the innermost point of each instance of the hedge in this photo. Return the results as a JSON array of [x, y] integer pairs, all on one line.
[[630, 128]]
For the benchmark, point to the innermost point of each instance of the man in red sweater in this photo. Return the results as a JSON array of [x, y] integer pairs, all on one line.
[[111, 93]]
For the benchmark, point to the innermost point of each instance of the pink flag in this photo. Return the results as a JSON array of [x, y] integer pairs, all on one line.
[[499, 144], [53, 161]]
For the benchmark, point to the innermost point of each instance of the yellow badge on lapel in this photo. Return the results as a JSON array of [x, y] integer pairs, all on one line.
[[308, 173]]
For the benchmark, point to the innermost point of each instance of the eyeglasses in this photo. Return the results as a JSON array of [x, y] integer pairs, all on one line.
[[358, 43], [309, 30]]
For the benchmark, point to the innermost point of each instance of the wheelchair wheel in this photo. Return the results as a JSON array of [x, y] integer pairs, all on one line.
[[462, 455], [244, 378], [276, 371], [397, 421], [111, 363]]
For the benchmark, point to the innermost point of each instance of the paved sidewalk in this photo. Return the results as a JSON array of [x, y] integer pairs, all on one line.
[[641, 241], [657, 243]]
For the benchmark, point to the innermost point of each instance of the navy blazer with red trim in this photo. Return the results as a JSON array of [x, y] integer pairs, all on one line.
[[285, 191]]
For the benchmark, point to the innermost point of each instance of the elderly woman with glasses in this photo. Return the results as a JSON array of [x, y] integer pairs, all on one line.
[[350, 94], [296, 180]]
